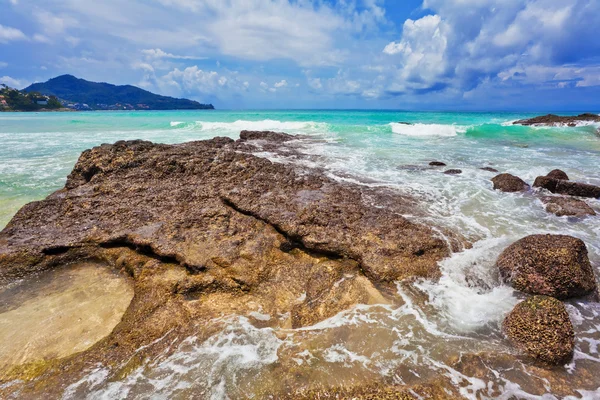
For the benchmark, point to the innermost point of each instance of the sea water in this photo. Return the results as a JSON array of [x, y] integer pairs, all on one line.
[[420, 340]]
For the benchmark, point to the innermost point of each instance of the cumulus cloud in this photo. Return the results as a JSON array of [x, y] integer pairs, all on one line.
[[8, 34], [467, 42]]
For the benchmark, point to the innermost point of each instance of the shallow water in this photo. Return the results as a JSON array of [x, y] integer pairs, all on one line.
[[60, 312], [439, 323]]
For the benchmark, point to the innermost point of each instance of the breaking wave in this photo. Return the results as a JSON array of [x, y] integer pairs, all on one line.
[[427, 130]]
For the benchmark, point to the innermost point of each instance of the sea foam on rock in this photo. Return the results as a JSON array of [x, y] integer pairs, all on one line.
[[207, 229], [551, 265], [561, 186], [566, 206], [540, 326]]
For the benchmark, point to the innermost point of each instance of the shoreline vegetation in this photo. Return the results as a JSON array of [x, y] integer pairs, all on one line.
[[68, 93]]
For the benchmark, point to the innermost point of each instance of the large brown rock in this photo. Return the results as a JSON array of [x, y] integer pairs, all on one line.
[[560, 186], [207, 229], [540, 326], [509, 183], [566, 206], [551, 265], [558, 174]]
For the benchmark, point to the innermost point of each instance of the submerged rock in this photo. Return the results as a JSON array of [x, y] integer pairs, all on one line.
[[560, 186], [509, 183], [453, 172], [540, 326], [564, 206], [555, 120], [489, 169], [437, 164], [205, 230], [558, 174], [551, 265]]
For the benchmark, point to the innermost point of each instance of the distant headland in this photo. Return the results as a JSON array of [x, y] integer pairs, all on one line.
[[67, 92]]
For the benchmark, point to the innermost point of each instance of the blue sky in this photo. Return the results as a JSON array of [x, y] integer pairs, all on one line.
[[414, 54]]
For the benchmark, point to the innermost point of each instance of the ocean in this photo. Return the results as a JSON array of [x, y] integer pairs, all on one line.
[[374, 148]]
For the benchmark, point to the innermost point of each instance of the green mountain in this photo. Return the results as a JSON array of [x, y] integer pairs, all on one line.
[[101, 96]]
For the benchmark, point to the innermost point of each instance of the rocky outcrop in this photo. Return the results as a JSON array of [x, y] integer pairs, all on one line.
[[550, 265], [555, 120], [540, 326], [509, 183], [437, 164], [565, 206], [453, 172], [206, 229], [558, 174], [560, 186]]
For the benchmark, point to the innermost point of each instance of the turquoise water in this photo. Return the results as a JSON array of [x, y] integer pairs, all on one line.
[[39, 150], [368, 147]]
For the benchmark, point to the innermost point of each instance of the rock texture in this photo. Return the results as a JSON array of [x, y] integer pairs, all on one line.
[[437, 164], [489, 169], [560, 186], [509, 183], [453, 172], [207, 229], [540, 326], [558, 174], [555, 120], [551, 265], [565, 206]]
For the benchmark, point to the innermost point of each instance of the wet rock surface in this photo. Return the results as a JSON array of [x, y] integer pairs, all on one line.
[[558, 174], [555, 120], [540, 326], [207, 229], [550, 265], [489, 169], [509, 183], [565, 206], [560, 186], [453, 172], [437, 164]]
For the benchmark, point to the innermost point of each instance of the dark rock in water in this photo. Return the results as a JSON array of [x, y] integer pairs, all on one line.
[[560, 186], [564, 206], [509, 183], [437, 164], [550, 265], [206, 229], [489, 169], [277, 137], [558, 174], [453, 172], [552, 120], [540, 326]]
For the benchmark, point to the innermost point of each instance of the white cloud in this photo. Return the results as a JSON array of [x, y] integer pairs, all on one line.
[[158, 53], [467, 42], [3, 64], [8, 34], [421, 52], [281, 84], [12, 82]]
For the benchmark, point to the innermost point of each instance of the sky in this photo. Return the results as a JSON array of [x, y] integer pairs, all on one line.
[[404, 54]]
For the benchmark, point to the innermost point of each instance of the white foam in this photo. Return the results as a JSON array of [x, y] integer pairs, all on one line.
[[427, 130], [176, 123], [264, 125], [468, 294]]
